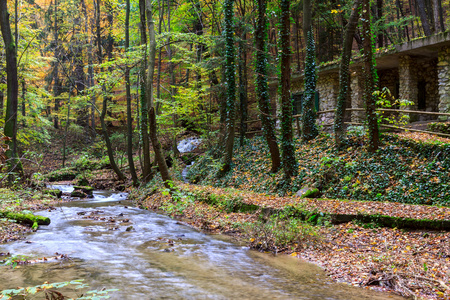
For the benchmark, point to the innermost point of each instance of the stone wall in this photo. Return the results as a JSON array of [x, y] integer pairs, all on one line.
[[328, 88], [427, 72], [389, 79], [408, 80], [356, 94], [443, 72]]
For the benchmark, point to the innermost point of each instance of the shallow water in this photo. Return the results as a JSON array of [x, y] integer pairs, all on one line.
[[160, 258]]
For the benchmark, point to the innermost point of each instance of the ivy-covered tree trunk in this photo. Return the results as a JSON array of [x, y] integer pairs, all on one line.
[[287, 143], [147, 168], [344, 75], [370, 78], [12, 84], [230, 83], [159, 155], [128, 92], [262, 93], [309, 127], [243, 86]]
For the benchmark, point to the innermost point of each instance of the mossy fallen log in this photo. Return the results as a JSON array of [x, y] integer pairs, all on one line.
[[27, 219]]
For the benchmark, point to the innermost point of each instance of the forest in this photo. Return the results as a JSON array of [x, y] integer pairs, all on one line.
[[317, 131]]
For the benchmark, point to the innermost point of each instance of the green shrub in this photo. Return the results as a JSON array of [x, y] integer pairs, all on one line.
[[279, 233]]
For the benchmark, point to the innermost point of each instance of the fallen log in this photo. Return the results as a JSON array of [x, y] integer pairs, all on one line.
[[27, 219]]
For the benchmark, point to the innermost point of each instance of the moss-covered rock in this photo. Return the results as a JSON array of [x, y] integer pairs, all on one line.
[[62, 174], [308, 192], [54, 192], [88, 190], [78, 194]]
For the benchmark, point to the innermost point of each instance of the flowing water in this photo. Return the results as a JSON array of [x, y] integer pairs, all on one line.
[[150, 256]]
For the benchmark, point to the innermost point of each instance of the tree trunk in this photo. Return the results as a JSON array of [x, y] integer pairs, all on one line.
[[243, 86], [344, 76], [109, 149], [90, 79], [147, 168], [423, 17], [369, 79], [65, 132], [436, 9], [158, 73], [307, 16], [230, 85], [309, 127], [380, 38], [172, 89], [159, 156], [57, 88], [12, 85], [287, 143], [128, 92], [262, 93]]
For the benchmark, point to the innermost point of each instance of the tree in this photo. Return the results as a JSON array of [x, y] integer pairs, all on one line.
[[230, 84], [309, 127], [146, 168], [106, 97], [370, 78], [287, 143], [344, 76], [423, 17], [12, 85], [262, 93], [128, 92], [159, 156]]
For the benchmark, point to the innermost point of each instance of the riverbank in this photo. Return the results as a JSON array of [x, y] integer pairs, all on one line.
[[21, 201], [411, 263]]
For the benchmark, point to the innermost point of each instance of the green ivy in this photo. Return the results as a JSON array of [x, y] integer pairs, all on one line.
[[310, 130]]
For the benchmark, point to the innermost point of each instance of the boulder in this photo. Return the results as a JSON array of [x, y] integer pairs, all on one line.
[[308, 192]]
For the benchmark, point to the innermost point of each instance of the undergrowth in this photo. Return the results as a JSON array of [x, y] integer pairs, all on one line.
[[402, 170], [280, 233]]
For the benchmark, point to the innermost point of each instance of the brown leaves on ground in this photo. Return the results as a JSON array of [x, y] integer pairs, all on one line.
[[10, 231], [392, 209], [410, 263], [423, 137]]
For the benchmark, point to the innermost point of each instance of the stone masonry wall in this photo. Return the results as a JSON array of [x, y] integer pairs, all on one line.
[[328, 88], [356, 94], [443, 70]]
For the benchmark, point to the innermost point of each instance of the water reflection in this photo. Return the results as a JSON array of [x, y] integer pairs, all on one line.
[[150, 256]]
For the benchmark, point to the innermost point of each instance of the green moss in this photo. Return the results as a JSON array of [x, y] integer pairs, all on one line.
[[62, 174], [54, 192], [78, 194], [88, 190], [28, 219], [314, 193]]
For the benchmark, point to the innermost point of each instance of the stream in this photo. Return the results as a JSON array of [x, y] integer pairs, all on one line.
[[151, 256]]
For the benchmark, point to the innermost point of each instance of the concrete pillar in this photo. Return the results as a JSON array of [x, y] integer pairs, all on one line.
[[357, 89], [443, 69]]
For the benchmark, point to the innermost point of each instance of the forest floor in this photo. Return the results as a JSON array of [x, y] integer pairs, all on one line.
[[412, 263]]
